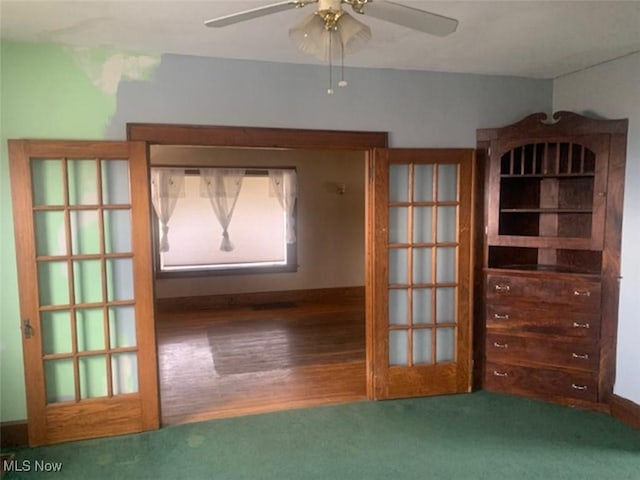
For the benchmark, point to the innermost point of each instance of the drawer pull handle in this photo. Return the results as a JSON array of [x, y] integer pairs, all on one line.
[[578, 387], [500, 374], [500, 345], [582, 293], [499, 316], [580, 325], [501, 287], [584, 356]]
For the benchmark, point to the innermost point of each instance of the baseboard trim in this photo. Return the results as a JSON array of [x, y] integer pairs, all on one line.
[[625, 410], [14, 434], [341, 294]]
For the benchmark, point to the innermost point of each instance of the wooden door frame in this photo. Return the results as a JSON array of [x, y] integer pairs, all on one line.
[[289, 138]]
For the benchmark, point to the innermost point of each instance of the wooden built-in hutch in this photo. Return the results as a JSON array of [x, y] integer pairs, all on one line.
[[551, 257]]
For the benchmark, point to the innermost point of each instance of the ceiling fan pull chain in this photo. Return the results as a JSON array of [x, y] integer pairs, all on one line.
[[342, 82], [330, 90]]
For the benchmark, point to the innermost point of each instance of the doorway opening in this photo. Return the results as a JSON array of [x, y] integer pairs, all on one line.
[[261, 341], [232, 345]]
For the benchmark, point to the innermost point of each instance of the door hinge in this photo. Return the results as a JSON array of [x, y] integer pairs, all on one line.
[[27, 329]]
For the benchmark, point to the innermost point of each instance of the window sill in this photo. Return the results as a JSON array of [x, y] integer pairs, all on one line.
[[220, 272]]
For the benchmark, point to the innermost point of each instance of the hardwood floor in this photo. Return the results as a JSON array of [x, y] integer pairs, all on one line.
[[244, 360]]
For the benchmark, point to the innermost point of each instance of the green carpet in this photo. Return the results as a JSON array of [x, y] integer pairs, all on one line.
[[477, 436]]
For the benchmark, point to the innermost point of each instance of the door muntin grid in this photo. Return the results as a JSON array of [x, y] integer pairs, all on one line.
[[423, 244], [82, 223]]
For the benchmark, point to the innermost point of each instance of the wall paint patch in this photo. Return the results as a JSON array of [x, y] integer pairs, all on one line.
[[107, 69], [46, 93]]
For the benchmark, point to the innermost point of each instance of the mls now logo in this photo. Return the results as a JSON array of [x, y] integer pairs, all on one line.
[[30, 466]]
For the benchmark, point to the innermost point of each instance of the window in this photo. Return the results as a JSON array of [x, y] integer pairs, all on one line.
[[224, 220]]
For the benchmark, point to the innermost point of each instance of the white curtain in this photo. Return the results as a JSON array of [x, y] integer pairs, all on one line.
[[284, 185], [167, 185], [222, 187]]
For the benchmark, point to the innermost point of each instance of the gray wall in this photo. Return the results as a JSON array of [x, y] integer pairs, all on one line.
[[418, 109]]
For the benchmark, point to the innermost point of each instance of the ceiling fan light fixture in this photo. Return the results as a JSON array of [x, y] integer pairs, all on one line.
[[312, 37], [353, 33], [330, 17], [308, 35]]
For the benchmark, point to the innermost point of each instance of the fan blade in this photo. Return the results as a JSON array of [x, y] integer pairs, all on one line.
[[411, 17], [255, 13]]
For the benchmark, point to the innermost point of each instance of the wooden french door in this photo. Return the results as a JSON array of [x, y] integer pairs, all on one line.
[[81, 215], [420, 343]]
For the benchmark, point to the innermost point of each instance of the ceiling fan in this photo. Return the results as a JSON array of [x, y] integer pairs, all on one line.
[[330, 32]]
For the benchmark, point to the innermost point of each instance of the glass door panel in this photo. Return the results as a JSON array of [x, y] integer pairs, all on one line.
[[422, 346], [50, 227], [117, 231], [446, 305], [120, 279], [47, 181], [422, 183], [87, 276], [398, 273], [92, 216], [53, 283], [447, 183], [115, 182], [59, 382], [422, 305], [422, 265], [93, 376], [122, 327], [447, 224], [398, 224], [85, 233], [445, 344], [83, 182], [56, 332], [398, 183], [124, 368], [422, 224], [90, 329], [399, 307], [398, 350], [410, 187], [446, 265]]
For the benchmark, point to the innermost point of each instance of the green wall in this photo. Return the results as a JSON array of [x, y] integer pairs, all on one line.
[[48, 92]]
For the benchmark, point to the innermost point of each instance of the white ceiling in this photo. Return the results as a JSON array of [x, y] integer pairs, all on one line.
[[543, 39]]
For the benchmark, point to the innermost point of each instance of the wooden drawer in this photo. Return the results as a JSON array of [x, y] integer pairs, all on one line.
[[554, 352], [505, 318], [579, 293], [540, 382]]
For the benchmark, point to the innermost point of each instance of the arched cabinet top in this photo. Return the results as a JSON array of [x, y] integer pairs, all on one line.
[[561, 123]]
